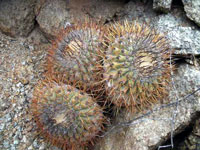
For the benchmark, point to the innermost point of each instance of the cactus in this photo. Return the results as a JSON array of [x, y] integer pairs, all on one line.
[[136, 65], [75, 55], [66, 116]]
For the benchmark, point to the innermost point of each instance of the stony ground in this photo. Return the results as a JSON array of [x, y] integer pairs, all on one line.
[[20, 68]]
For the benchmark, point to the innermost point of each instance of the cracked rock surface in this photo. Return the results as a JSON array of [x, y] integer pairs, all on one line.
[[17, 17]]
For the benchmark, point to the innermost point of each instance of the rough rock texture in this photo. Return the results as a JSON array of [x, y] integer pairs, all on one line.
[[149, 132], [104, 10], [162, 6], [142, 12], [36, 36], [183, 36], [192, 9], [52, 16], [55, 15], [17, 17], [184, 39]]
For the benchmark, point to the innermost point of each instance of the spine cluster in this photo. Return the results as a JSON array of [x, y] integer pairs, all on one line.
[[128, 63]]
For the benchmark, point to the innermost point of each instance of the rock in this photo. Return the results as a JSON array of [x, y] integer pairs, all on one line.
[[17, 17], [52, 16], [139, 11], [192, 142], [36, 37], [192, 9], [105, 10], [150, 131], [99, 10], [185, 40], [183, 37], [162, 6], [6, 144], [38, 6]]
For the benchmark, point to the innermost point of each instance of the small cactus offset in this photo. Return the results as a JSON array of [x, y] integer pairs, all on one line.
[[75, 55], [136, 65], [65, 116]]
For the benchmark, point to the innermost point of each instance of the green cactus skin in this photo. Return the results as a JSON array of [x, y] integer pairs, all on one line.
[[65, 116], [136, 66]]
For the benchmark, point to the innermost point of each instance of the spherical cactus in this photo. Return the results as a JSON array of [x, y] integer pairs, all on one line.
[[65, 116], [75, 55], [136, 65]]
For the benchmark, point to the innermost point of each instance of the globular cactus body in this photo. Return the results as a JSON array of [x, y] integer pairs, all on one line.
[[136, 65], [65, 116], [75, 55]]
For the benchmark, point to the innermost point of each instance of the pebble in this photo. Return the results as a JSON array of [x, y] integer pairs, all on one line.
[[16, 141], [35, 144], [42, 147], [31, 47], [30, 147], [13, 148], [2, 126], [19, 84], [24, 139], [8, 117], [6, 144]]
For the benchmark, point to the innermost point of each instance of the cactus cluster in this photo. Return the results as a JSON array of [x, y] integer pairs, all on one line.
[[126, 62]]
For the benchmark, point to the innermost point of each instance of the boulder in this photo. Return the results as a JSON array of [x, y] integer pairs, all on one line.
[[52, 16], [185, 40], [17, 17], [192, 9]]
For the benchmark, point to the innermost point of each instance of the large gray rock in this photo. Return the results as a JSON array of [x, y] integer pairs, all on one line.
[[192, 9], [162, 6], [17, 17], [184, 39], [150, 131], [104, 10], [52, 17]]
